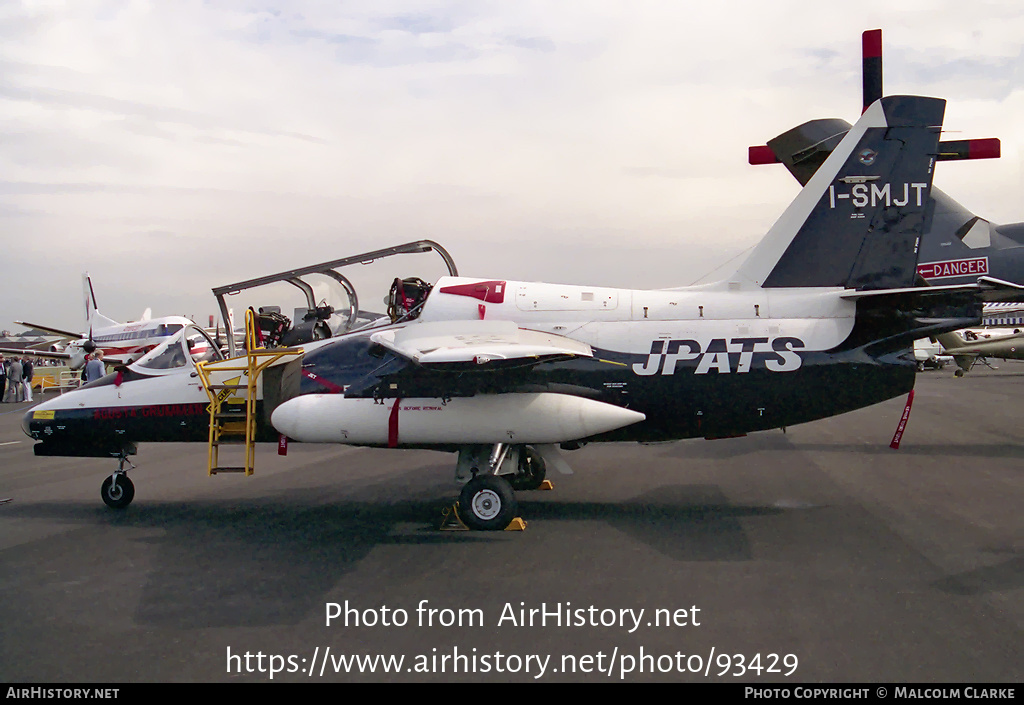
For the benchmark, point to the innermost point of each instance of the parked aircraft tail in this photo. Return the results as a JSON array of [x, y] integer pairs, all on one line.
[[958, 246], [858, 221], [93, 318]]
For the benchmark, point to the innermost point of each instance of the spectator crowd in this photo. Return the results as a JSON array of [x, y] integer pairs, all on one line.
[[16, 374]]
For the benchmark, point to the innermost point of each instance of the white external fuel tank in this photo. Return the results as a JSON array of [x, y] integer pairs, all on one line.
[[488, 418]]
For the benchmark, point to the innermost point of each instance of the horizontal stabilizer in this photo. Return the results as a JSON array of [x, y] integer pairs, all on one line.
[[986, 290], [988, 148]]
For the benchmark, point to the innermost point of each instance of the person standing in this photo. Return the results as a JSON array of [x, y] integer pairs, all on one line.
[[14, 389], [94, 369], [26, 375], [3, 376]]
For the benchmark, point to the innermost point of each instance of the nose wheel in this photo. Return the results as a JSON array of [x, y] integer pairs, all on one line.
[[117, 490]]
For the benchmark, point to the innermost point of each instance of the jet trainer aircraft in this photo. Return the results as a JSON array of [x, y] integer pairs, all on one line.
[[120, 342], [957, 247], [818, 321]]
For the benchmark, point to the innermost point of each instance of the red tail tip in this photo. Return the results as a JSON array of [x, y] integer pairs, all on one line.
[[762, 154], [985, 149], [871, 43]]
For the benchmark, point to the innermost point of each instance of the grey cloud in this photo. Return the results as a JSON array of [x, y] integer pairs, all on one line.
[[419, 23], [535, 43], [121, 107], [660, 172], [29, 188], [989, 77]]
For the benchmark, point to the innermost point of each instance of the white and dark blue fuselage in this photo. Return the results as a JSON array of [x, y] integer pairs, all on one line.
[[819, 320]]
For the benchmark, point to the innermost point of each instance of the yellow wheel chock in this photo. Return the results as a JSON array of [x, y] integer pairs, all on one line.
[[450, 521]]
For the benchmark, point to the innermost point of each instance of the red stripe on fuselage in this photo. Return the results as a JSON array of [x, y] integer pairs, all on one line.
[[393, 425]]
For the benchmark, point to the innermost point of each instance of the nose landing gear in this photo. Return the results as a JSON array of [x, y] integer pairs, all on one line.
[[117, 490]]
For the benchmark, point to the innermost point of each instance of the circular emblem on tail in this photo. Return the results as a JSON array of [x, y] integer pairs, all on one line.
[[867, 156]]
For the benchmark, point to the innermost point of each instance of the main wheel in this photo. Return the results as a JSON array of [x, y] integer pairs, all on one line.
[[532, 470], [117, 491], [487, 503]]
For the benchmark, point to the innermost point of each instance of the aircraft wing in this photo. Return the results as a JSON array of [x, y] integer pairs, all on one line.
[[479, 342], [49, 329], [36, 353], [75, 359], [461, 358]]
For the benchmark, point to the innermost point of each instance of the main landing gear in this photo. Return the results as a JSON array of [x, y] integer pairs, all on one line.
[[488, 501], [117, 490]]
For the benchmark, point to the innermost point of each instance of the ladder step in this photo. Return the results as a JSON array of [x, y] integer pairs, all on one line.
[[232, 417]]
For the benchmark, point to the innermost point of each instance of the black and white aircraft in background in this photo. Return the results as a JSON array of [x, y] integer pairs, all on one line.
[[818, 321], [120, 342], [957, 247]]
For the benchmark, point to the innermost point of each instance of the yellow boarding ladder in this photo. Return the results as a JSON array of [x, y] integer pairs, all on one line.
[[232, 419]]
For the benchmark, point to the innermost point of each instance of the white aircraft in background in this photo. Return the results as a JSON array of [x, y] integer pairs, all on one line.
[[930, 355], [121, 343]]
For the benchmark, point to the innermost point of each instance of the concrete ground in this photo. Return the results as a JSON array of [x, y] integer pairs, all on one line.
[[820, 553]]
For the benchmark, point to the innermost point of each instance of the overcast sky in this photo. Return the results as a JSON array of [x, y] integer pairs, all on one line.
[[171, 147]]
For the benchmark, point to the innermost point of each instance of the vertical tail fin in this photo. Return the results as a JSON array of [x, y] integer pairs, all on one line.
[[858, 221], [93, 318], [90, 302]]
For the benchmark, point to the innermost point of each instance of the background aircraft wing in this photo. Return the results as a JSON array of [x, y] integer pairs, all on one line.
[[49, 329], [35, 353], [477, 342]]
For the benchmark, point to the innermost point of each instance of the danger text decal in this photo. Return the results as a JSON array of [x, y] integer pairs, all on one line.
[[953, 268]]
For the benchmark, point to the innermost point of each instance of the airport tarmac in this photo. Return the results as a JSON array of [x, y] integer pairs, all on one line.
[[819, 553]]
